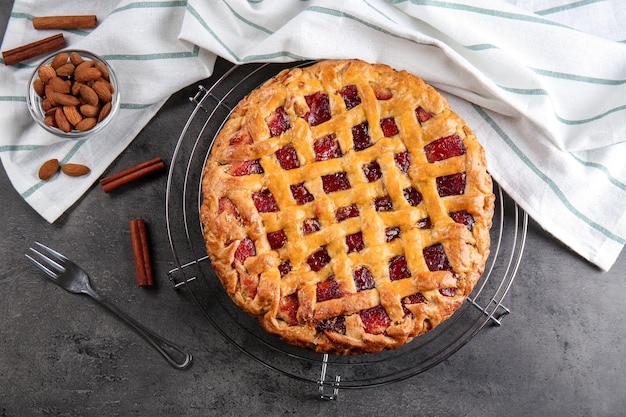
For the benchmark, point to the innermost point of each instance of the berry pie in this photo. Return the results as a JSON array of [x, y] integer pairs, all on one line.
[[346, 207]]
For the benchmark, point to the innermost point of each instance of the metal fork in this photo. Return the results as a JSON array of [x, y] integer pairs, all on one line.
[[74, 279]]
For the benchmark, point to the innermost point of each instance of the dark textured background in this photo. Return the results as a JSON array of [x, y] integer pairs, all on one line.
[[559, 353]]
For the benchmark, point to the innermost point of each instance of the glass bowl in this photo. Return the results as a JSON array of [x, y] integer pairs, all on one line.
[[42, 109]]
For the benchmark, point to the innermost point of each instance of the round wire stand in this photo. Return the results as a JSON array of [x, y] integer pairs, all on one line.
[[329, 372]]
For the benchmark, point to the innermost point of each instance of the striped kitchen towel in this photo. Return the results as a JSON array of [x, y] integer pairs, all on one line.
[[542, 83]]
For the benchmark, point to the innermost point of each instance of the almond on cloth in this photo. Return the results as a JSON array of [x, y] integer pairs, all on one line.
[[48, 169], [75, 170]]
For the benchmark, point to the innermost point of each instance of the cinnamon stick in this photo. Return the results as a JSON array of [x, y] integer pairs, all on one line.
[[144, 169], [65, 22], [33, 49], [141, 252]]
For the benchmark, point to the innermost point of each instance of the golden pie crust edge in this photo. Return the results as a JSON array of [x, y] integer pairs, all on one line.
[[467, 251]]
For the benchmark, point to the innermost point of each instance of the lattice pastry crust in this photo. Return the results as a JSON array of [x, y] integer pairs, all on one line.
[[347, 207]]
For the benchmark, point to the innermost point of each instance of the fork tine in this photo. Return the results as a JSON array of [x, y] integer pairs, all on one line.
[[42, 267], [52, 253], [48, 260]]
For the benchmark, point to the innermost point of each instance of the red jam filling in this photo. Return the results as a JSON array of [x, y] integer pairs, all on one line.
[[335, 182], [328, 290], [414, 299], [381, 93], [245, 250], [243, 138], [363, 279], [398, 268], [425, 223], [389, 127], [350, 96], [301, 194], [447, 292], [436, 258], [412, 196], [403, 160], [355, 242], [444, 148], [284, 268], [343, 213], [375, 320], [383, 203], [287, 157], [310, 226], [334, 324], [422, 115], [241, 168], [361, 136], [288, 306], [319, 109], [278, 122], [225, 205], [463, 217], [372, 171], [448, 185], [277, 239], [318, 260], [327, 148], [264, 201], [392, 233]]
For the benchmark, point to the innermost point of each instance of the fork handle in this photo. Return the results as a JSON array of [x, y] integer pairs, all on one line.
[[174, 354]]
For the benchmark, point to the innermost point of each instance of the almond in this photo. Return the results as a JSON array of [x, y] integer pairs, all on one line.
[[84, 64], [39, 87], [65, 70], [75, 170], [48, 93], [103, 69], [88, 110], [59, 85], [102, 90], [65, 99], [90, 96], [47, 105], [87, 123], [86, 74], [49, 120], [59, 59], [76, 89], [72, 115], [61, 120], [76, 59], [48, 169], [51, 111], [46, 72], [108, 84], [104, 112]]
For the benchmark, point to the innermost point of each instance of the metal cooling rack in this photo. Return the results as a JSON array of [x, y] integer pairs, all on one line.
[[329, 373]]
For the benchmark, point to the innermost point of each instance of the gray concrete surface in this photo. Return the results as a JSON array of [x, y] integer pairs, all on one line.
[[559, 353]]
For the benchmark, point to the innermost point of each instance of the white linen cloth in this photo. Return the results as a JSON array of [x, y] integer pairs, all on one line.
[[542, 83]]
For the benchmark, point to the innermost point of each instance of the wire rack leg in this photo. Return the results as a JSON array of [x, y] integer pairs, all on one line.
[[498, 314], [328, 391], [178, 277]]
